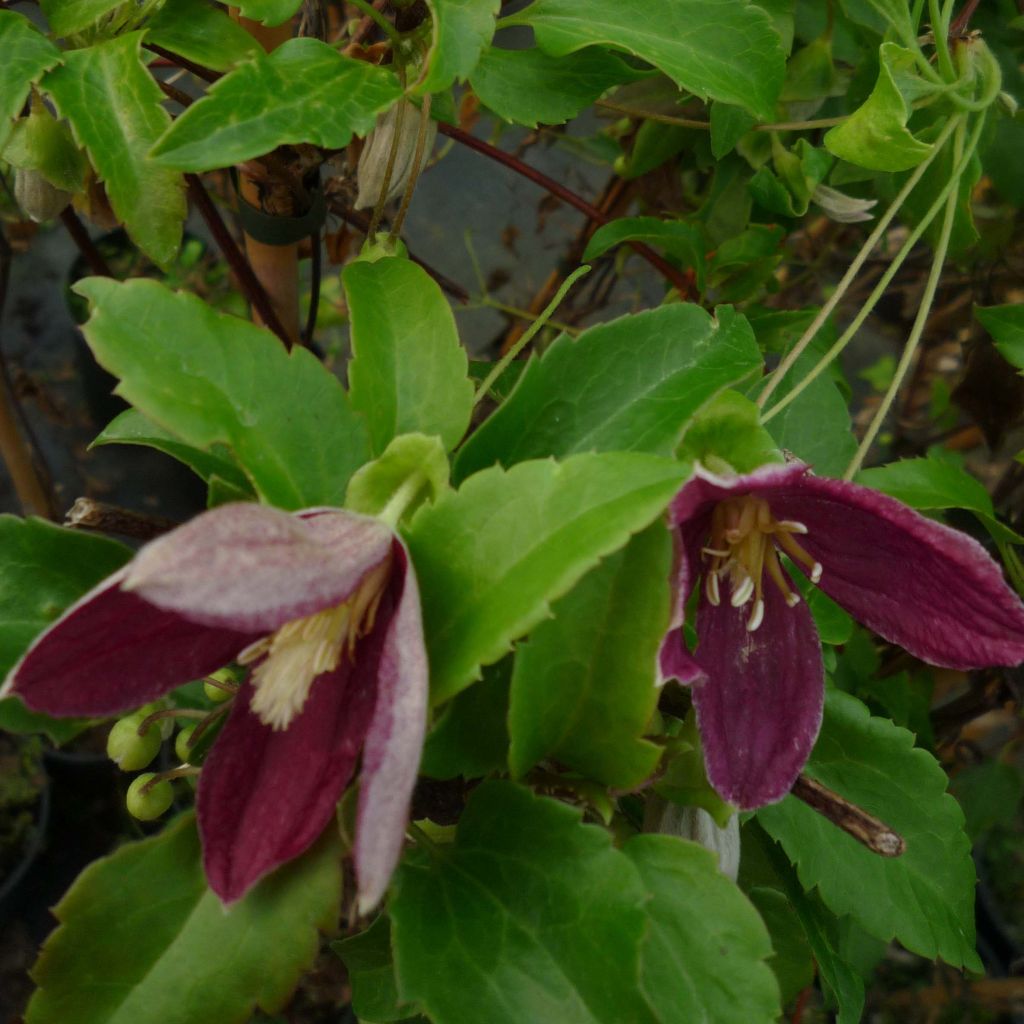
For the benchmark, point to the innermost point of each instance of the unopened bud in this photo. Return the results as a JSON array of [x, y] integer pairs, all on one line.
[[841, 207], [127, 749], [37, 197], [148, 804], [183, 744], [219, 694], [696, 824], [398, 126]]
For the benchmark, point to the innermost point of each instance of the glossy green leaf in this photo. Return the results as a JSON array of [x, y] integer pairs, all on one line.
[[704, 956], [584, 687], [305, 91], [529, 87], [492, 556], [727, 436], [682, 241], [470, 738], [1006, 325], [632, 384], [719, 49], [371, 972], [27, 53], [937, 483], [116, 113], [875, 135], [208, 379], [532, 916], [897, 14], [142, 938], [269, 12], [461, 29], [792, 961], [924, 898], [69, 16], [131, 427], [408, 371], [200, 32]]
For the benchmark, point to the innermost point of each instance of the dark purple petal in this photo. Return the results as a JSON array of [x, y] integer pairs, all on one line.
[[394, 743], [253, 568], [265, 796], [930, 589], [704, 489], [112, 651], [759, 705]]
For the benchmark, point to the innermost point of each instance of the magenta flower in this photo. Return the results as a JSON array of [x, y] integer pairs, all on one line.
[[757, 672], [324, 606]]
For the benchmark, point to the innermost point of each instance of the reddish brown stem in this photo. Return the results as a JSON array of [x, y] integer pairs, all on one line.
[[680, 281], [198, 70], [247, 279], [92, 255]]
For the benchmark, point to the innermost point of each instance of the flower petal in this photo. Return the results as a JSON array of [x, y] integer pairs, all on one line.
[[111, 651], [265, 795], [931, 589], [394, 742], [253, 568], [759, 706]]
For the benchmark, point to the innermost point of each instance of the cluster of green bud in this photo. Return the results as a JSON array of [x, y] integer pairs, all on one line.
[[148, 800], [128, 747]]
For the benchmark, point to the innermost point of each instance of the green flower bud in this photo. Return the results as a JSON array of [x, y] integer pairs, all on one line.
[[127, 749], [37, 197], [217, 694], [146, 806], [183, 744]]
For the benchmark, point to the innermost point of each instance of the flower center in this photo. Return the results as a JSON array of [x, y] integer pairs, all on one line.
[[300, 650], [744, 547]]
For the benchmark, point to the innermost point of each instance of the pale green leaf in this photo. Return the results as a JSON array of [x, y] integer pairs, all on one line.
[[461, 30], [682, 241], [371, 972], [492, 556], [632, 384], [924, 898], [69, 16], [408, 371], [409, 460], [200, 32], [529, 87], [1006, 325], [537, 916], [116, 113], [725, 50], [210, 379], [27, 53], [584, 687], [305, 91], [141, 937], [269, 12]]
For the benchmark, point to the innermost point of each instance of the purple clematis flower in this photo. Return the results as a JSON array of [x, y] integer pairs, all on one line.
[[757, 671], [324, 607]]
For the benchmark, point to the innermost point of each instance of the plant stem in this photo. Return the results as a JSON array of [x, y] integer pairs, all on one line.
[[402, 499], [87, 514], [931, 285], [382, 23], [389, 170], [879, 289], [940, 30], [687, 122], [858, 261], [417, 166], [529, 333], [85, 244], [680, 281]]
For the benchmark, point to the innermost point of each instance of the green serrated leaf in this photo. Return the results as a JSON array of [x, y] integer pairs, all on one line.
[[657, 369], [27, 53], [924, 898], [461, 31], [727, 436], [305, 91], [492, 556], [408, 371], [200, 32], [792, 961], [583, 690], [538, 916], [729, 124], [131, 427], [1006, 325], [67, 17], [371, 971], [529, 87], [935, 483], [725, 50], [875, 135], [680, 240], [704, 956], [269, 12], [142, 938], [115, 111], [209, 378]]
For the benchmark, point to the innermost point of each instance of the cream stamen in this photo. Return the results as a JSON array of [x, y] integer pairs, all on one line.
[[742, 593], [756, 616], [711, 588]]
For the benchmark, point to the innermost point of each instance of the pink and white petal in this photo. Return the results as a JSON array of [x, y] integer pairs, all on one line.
[[265, 796], [249, 567], [112, 651], [759, 706], [394, 743], [931, 589]]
